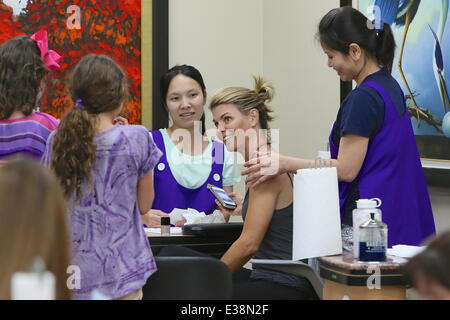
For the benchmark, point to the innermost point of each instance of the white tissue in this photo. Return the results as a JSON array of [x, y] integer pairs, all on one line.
[[192, 216], [404, 251], [176, 215]]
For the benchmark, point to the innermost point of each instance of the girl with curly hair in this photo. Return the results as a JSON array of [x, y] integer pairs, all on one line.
[[105, 170], [24, 63]]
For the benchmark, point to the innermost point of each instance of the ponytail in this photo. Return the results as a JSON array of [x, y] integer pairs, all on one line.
[[74, 150], [98, 85], [386, 48], [265, 91]]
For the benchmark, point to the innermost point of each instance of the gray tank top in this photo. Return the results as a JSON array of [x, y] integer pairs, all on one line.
[[276, 245]]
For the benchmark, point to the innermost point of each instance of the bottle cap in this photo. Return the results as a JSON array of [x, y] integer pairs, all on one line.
[[165, 221], [368, 203], [372, 223]]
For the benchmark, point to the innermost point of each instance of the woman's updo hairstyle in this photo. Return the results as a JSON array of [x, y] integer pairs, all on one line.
[[246, 99]]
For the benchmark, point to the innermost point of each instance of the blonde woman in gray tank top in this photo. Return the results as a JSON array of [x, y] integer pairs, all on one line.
[[241, 117]]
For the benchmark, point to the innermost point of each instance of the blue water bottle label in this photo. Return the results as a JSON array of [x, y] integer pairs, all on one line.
[[372, 251]]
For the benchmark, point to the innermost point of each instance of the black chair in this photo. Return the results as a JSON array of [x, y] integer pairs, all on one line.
[[189, 278]]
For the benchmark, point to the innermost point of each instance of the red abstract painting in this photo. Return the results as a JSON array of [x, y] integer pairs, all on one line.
[[77, 28]]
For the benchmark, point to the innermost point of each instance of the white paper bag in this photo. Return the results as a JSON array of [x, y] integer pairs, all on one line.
[[317, 220]]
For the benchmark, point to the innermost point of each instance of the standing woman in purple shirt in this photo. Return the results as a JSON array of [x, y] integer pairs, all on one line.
[[105, 170], [372, 142]]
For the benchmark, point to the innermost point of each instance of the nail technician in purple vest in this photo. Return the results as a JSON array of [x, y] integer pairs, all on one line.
[[190, 161], [372, 141]]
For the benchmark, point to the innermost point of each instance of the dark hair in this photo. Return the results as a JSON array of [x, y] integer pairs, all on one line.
[[102, 86], [185, 70], [343, 26], [433, 263], [21, 73]]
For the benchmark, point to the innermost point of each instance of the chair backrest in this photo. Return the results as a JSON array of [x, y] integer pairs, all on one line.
[[189, 278], [295, 267]]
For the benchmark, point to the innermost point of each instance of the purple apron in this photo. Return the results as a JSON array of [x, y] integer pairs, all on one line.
[[169, 194], [392, 171]]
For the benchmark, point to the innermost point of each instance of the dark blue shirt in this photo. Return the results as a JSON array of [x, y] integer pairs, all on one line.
[[362, 112]]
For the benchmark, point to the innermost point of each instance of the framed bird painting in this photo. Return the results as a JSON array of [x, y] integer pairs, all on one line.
[[76, 28], [422, 33]]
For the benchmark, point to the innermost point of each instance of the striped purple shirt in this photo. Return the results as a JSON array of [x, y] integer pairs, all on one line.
[[26, 136]]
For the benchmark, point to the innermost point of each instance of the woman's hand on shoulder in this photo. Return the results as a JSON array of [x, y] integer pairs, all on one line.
[[264, 166]]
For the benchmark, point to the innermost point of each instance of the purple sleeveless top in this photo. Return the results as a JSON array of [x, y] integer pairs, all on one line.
[[392, 171], [169, 194]]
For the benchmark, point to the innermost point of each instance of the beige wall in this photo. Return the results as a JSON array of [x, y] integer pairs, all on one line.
[[440, 200], [229, 40], [307, 91], [220, 38]]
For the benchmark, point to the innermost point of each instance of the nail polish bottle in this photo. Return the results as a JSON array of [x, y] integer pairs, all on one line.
[[165, 226]]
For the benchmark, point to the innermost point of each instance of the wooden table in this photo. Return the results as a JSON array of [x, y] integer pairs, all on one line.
[[345, 277]]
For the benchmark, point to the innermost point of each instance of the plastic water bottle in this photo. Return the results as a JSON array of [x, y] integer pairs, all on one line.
[[372, 240], [364, 207]]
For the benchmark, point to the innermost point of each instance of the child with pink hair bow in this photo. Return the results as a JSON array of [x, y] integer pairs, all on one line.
[[24, 63]]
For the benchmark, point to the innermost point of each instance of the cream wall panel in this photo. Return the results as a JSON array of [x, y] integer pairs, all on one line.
[[307, 97], [222, 39]]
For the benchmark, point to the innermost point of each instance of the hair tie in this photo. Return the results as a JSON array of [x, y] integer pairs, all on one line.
[[49, 57], [379, 27], [79, 104]]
